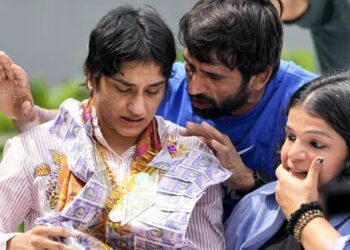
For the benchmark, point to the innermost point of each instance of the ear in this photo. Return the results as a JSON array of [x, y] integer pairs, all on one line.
[[91, 84], [259, 81]]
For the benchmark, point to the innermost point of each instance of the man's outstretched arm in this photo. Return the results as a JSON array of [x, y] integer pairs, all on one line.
[[16, 100], [292, 9]]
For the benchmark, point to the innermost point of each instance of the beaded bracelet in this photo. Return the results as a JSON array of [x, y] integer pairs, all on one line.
[[298, 213], [304, 219]]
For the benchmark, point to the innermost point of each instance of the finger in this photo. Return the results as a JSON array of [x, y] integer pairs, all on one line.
[[195, 129], [45, 243], [52, 231], [314, 170], [3, 76], [208, 143], [215, 134], [280, 172], [2, 73], [20, 75], [219, 149], [6, 69]]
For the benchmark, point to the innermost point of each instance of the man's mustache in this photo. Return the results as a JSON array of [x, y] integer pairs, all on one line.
[[203, 98]]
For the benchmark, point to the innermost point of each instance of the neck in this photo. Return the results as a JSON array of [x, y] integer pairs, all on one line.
[[253, 100], [119, 144]]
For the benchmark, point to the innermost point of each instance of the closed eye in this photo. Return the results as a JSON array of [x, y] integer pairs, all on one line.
[[123, 89], [152, 91], [214, 76], [317, 145]]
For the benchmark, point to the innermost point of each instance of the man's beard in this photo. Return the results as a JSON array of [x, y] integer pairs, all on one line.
[[226, 107]]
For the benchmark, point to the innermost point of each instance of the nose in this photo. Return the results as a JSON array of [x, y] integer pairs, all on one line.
[[196, 84], [137, 105], [297, 152]]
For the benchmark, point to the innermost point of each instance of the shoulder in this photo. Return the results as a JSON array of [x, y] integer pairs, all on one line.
[[256, 215], [178, 76], [169, 130], [178, 71], [291, 73], [257, 198], [288, 79], [28, 140], [252, 204]]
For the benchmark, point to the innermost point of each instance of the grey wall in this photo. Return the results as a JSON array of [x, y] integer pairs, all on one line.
[[49, 38]]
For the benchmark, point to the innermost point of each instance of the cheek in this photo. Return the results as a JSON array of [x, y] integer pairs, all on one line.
[[284, 152], [331, 169]]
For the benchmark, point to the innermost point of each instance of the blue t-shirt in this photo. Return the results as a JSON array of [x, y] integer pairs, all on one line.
[[262, 127]]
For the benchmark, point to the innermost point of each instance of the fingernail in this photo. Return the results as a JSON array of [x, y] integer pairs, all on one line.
[[319, 160]]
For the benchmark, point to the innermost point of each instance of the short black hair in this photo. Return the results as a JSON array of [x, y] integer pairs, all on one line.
[[126, 34], [242, 34], [328, 97]]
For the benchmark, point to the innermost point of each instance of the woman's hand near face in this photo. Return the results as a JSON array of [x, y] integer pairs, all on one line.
[[291, 191], [40, 237]]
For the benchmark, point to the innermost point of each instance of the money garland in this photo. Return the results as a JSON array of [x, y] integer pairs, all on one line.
[[111, 215], [185, 176]]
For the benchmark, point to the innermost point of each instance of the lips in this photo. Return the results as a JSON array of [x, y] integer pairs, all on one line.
[[298, 174], [199, 104], [132, 122]]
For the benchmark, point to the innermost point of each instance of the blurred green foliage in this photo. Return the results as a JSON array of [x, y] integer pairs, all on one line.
[[51, 98], [47, 97], [304, 58]]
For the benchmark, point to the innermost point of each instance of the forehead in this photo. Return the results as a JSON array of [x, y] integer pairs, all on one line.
[[214, 62], [136, 72], [301, 120]]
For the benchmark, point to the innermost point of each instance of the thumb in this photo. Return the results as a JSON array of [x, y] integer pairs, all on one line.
[[314, 170]]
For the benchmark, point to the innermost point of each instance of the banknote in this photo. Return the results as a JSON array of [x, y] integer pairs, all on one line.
[[83, 210], [188, 174], [192, 156], [162, 161], [169, 202], [208, 165], [142, 243], [116, 241], [156, 234], [94, 191], [173, 221], [179, 187]]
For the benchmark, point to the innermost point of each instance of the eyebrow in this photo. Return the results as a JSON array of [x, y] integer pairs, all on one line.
[[204, 71], [318, 132], [210, 63], [130, 84]]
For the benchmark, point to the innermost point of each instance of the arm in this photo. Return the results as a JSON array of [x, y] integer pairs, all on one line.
[[291, 192], [292, 9], [16, 100], [41, 116]]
